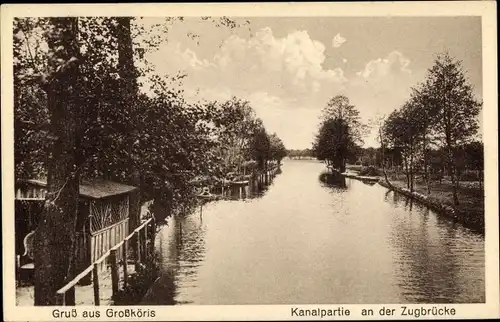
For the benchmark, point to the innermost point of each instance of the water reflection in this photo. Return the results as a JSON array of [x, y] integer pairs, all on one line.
[[181, 246], [317, 241], [333, 180], [430, 255]]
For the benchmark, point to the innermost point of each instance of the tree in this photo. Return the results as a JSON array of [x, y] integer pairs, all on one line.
[[340, 131], [277, 148], [260, 147], [340, 108], [379, 122], [31, 116], [332, 143], [425, 115], [128, 92], [236, 125], [450, 94], [402, 132], [55, 235]]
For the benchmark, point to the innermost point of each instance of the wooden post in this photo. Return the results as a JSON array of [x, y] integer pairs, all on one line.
[[141, 249], [87, 237], [153, 224], [153, 237], [125, 263], [60, 299], [114, 272], [149, 239], [69, 298], [138, 250], [69, 294], [143, 242], [95, 282], [110, 234]]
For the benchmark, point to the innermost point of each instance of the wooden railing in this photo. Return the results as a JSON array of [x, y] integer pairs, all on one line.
[[143, 240]]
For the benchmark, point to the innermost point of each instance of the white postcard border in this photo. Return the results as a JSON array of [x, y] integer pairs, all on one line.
[[485, 9]]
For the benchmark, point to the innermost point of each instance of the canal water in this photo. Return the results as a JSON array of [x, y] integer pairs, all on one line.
[[304, 242]]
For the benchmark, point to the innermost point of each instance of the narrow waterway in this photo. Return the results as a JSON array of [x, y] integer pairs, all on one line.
[[303, 241]]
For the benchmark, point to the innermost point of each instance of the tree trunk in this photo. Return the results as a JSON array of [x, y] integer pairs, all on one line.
[[453, 179], [55, 235], [342, 166], [129, 91], [382, 146], [455, 190], [426, 166], [412, 175], [407, 172]]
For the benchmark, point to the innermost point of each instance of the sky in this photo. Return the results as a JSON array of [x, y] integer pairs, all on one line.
[[288, 68]]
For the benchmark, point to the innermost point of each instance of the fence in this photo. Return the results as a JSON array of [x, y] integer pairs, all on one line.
[[142, 239], [101, 241]]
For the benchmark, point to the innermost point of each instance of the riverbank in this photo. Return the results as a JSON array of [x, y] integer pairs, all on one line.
[[470, 211]]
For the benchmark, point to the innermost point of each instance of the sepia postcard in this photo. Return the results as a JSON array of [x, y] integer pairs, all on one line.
[[250, 161]]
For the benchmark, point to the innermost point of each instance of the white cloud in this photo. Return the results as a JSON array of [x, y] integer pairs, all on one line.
[[394, 63], [338, 40], [383, 85], [294, 62], [290, 67], [284, 79]]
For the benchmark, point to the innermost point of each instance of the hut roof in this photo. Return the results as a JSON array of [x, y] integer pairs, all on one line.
[[95, 189]]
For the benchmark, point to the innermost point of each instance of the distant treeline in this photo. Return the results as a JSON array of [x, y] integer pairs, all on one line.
[[469, 159], [299, 154]]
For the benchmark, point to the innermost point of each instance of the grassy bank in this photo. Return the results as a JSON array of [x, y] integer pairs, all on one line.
[[469, 211]]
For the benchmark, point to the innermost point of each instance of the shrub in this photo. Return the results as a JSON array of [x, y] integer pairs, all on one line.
[[469, 176], [139, 283], [370, 171]]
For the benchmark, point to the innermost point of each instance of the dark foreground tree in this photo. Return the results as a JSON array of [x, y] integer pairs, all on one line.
[[55, 235], [128, 100]]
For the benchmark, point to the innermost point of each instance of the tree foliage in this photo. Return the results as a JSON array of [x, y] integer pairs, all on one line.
[[339, 133], [441, 113], [169, 141], [277, 148]]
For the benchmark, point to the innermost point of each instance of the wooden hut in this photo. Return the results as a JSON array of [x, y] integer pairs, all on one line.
[[102, 220]]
